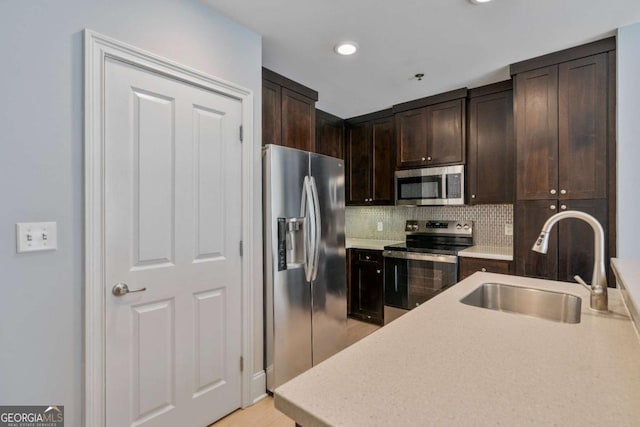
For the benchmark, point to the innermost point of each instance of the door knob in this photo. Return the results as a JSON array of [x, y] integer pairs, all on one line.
[[121, 289], [563, 191], [552, 207], [429, 158], [552, 191], [378, 271], [563, 207], [424, 158]]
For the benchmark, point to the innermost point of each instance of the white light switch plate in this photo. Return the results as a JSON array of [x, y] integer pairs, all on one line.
[[36, 236], [380, 226]]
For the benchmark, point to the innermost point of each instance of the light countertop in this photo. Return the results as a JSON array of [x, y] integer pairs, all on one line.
[[369, 243], [488, 252], [628, 277], [449, 364]]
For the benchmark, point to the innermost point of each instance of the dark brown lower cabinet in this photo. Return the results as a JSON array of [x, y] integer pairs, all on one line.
[[468, 266], [366, 285], [570, 244]]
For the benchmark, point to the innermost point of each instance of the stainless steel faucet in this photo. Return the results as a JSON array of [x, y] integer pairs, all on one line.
[[598, 288]]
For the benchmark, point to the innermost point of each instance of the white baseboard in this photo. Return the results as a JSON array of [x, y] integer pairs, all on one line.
[[259, 386]]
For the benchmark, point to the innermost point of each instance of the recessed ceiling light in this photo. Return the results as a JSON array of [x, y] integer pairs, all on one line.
[[345, 48], [479, 1]]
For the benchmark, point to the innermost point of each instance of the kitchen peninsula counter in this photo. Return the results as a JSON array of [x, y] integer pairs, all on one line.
[[449, 364]]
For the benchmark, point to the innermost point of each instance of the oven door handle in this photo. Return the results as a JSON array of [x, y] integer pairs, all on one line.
[[395, 282], [420, 256]]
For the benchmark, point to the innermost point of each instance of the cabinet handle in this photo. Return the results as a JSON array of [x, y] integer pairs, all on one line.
[[552, 207], [378, 271], [563, 191], [552, 191], [484, 270], [424, 158], [429, 158], [563, 207], [367, 257], [473, 196]]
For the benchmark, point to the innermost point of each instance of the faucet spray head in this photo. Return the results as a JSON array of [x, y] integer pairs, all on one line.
[[542, 243]]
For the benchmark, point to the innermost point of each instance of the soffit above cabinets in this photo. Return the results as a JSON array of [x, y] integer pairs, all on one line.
[[454, 43]]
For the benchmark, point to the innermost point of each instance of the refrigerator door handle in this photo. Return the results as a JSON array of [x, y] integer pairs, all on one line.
[[307, 212], [318, 230]]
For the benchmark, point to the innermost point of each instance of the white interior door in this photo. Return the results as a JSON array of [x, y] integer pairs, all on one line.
[[173, 228]]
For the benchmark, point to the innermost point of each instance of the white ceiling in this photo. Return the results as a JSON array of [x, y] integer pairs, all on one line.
[[453, 42]]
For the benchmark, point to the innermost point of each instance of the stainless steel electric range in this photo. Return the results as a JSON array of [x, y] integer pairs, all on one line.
[[425, 265]]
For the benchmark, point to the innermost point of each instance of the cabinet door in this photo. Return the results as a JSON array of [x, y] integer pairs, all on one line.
[[411, 128], [582, 109], [329, 135], [468, 266], [537, 134], [298, 121], [530, 216], [445, 133], [271, 113], [575, 240], [383, 146], [491, 149], [359, 162], [367, 292]]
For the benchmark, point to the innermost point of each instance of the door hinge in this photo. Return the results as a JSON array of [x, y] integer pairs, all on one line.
[[241, 134], [241, 364], [241, 249]]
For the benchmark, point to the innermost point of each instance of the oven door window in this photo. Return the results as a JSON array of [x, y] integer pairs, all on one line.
[[426, 279], [420, 188]]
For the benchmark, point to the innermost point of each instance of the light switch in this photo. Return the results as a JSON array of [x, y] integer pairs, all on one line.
[[508, 229], [36, 236], [380, 226]]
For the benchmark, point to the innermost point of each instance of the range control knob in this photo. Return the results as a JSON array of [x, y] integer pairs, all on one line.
[[466, 226], [459, 226]]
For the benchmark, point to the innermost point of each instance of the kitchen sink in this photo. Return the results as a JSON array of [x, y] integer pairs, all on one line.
[[556, 306]]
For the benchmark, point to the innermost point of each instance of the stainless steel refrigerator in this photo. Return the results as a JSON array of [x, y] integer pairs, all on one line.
[[305, 261]]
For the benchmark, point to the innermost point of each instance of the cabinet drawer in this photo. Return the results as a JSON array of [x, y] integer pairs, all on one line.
[[468, 266], [370, 256]]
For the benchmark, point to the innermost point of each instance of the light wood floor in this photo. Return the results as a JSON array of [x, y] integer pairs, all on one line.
[[263, 413]]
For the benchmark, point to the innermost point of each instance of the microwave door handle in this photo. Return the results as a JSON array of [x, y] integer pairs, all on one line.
[[444, 186]]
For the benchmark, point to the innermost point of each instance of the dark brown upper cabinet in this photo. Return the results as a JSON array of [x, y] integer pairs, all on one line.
[[329, 134], [370, 159], [288, 112], [431, 131], [561, 132], [565, 156], [491, 144]]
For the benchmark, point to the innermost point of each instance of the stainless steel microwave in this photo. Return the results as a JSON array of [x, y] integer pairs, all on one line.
[[430, 186]]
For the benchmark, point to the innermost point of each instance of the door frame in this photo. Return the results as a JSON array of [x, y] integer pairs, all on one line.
[[97, 48]]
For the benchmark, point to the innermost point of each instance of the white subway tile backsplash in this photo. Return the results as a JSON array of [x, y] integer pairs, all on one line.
[[489, 221]]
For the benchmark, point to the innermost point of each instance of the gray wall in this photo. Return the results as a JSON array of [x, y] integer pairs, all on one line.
[[628, 53], [41, 166]]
